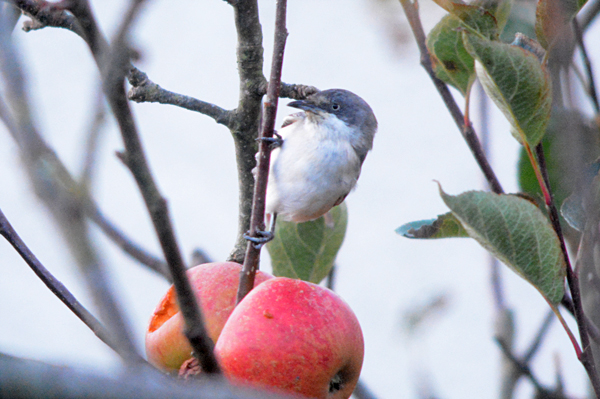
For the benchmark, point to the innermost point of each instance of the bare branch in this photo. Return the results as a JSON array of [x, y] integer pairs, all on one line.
[[295, 91], [257, 223], [91, 148], [539, 337], [522, 367], [126, 244], [144, 90], [45, 13], [57, 288], [28, 379]]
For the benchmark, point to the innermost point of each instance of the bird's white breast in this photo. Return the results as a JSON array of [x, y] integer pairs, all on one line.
[[312, 170]]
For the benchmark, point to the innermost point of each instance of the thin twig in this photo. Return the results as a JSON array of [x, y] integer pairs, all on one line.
[[537, 340], [593, 330], [588, 65], [257, 222], [467, 131], [93, 138], [126, 244], [522, 367], [55, 286], [144, 90]]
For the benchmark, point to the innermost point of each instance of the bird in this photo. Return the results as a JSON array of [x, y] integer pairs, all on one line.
[[318, 157]]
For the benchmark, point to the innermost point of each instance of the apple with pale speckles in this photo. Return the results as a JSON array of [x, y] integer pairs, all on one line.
[[293, 336]]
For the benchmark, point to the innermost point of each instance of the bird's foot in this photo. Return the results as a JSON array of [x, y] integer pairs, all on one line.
[[274, 142], [262, 237]]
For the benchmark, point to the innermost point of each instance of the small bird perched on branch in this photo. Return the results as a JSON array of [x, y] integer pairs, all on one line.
[[319, 156]]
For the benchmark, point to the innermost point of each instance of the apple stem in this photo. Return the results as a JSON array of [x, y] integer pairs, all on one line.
[[257, 221]]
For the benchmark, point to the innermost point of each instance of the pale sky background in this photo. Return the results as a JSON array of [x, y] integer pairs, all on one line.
[[190, 48]]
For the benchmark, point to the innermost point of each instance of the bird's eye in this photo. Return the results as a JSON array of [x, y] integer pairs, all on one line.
[[335, 106]]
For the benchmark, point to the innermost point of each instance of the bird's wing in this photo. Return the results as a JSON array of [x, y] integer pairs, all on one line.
[[341, 199], [293, 118]]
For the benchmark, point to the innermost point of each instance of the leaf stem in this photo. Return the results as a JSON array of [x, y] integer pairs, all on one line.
[[576, 346]]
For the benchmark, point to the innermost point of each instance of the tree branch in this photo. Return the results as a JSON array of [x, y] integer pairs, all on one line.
[[55, 286], [126, 244], [45, 13], [257, 223], [522, 367], [28, 379], [144, 90], [245, 127]]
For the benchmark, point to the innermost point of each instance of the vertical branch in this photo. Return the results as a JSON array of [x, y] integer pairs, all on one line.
[[270, 112], [587, 356], [245, 126], [466, 129]]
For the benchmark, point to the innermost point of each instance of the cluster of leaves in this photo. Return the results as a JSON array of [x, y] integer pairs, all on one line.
[[465, 45]]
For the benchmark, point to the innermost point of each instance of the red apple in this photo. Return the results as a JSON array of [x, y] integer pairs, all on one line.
[[293, 336], [215, 286]]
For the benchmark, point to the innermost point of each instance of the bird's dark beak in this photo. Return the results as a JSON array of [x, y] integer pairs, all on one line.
[[305, 105]]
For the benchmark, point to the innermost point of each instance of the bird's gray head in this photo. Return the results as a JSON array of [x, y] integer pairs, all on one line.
[[349, 108], [344, 104]]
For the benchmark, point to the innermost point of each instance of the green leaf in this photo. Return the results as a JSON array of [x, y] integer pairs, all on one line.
[[307, 250], [473, 17], [553, 19], [517, 83], [451, 61], [500, 9], [445, 226], [516, 232]]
